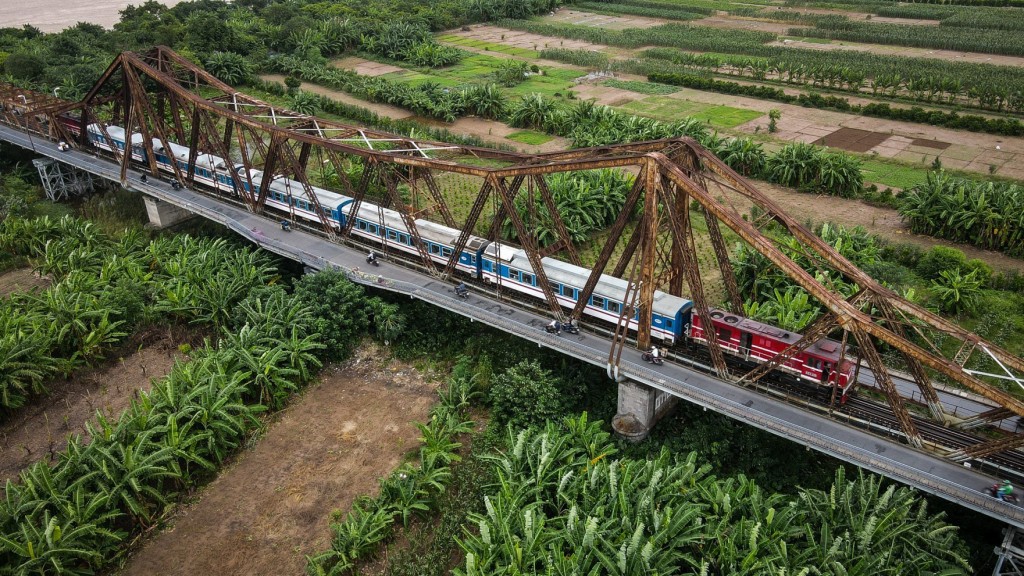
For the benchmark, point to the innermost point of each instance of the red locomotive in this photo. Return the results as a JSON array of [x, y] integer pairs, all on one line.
[[758, 342]]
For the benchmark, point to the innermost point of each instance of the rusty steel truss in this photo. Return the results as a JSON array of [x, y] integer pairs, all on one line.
[[669, 236]]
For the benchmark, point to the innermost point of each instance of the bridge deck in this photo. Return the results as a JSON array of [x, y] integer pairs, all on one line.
[[887, 457]]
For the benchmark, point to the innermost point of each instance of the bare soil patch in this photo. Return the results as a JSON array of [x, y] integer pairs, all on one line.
[[725, 22], [518, 39], [853, 139], [862, 16], [884, 222], [40, 430], [930, 143], [567, 16], [365, 67], [21, 280], [272, 506]]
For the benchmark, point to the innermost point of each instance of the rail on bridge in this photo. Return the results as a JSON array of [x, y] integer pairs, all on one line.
[[669, 237]]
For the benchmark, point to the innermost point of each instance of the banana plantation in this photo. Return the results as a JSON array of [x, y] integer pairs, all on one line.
[[985, 214]]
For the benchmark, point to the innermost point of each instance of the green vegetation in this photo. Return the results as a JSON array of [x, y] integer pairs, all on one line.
[[985, 214], [669, 109], [586, 201], [530, 137], [489, 46], [951, 38], [745, 53], [650, 88], [563, 503]]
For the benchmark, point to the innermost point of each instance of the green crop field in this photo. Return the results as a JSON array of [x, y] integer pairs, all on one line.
[[668, 108], [464, 42], [530, 137]]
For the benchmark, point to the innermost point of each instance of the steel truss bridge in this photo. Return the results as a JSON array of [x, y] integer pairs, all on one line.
[[671, 235]]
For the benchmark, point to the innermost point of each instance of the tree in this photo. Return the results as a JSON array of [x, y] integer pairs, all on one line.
[[24, 66], [339, 310], [773, 118], [528, 395], [957, 292]]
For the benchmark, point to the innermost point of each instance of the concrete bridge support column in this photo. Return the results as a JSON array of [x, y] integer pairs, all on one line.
[[640, 408], [161, 214]]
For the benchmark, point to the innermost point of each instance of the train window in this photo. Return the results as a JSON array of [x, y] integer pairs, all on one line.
[[446, 252], [724, 334], [813, 362], [392, 235], [556, 288], [435, 249], [668, 323], [527, 278], [472, 258], [597, 301], [615, 307]]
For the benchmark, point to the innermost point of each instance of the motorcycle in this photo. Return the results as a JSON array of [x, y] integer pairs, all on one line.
[[993, 489], [462, 292], [286, 226], [372, 259], [560, 327], [648, 357]]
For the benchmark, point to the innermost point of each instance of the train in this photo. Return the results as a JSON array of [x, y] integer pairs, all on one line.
[[824, 364]]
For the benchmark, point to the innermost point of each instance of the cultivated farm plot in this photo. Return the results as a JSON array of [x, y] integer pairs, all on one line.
[[40, 429], [578, 18], [494, 35], [670, 108], [273, 505], [884, 49]]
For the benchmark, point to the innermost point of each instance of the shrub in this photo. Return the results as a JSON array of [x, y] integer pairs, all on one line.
[[940, 259], [528, 395]]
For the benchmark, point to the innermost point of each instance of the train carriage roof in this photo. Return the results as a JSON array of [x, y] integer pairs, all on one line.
[[290, 187], [609, 286], [448, 236]]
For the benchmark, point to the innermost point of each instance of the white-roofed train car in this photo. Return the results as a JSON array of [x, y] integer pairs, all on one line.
[[511, 268]]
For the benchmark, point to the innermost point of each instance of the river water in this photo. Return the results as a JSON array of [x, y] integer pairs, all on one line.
[[56, 15]]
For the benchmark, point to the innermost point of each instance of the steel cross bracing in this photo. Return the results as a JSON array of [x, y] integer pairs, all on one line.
[[683, 210]]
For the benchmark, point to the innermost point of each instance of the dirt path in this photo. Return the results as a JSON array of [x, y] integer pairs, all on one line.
[[272, 506], [39, 430], [881, 221], [21, 280]]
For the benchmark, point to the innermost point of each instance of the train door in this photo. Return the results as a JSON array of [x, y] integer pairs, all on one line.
[[745, 343]]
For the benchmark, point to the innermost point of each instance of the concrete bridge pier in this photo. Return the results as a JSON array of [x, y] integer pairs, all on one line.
[[161, 214], [640, 408]]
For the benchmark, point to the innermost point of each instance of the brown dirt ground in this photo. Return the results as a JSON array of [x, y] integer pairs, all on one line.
[[21, 280], [40, 429], [272, 505]]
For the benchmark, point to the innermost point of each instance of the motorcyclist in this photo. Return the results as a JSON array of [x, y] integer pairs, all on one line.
[[371, 258], [461, 289], [655, 353], [555, 325], [1005, 489]]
